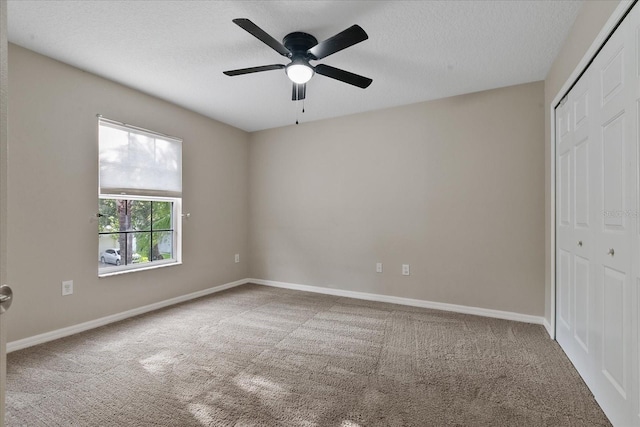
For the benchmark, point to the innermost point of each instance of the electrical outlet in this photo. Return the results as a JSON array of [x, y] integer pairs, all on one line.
[[405, 269], [378, 267], [67, 287], [237, 258]]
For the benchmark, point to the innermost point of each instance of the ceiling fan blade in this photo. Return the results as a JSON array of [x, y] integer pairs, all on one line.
[[249, 70], [299, 92], [261, 35], [352, 35], [343, 76]]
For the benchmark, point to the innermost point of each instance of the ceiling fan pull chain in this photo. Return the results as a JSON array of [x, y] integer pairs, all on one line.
[[303, 106]]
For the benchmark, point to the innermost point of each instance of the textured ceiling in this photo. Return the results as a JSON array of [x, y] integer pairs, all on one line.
[[417, 50]]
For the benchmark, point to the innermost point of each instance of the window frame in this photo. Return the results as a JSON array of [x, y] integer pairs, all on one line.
[[171, 193], [176, 237]]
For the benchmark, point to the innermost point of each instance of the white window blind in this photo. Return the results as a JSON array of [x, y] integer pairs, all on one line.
[[134, 161]]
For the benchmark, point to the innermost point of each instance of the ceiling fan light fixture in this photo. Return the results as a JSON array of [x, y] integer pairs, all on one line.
[[299, 72]]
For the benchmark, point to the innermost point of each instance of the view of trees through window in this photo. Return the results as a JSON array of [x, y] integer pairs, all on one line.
[[134, 231]]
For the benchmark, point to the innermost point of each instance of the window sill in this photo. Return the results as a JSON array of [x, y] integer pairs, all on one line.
[[137, 269]]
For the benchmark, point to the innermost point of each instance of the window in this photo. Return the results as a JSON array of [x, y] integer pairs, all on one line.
[[139, 198]]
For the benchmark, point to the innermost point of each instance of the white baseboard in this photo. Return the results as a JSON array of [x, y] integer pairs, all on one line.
[[64, 332], [507, 315]]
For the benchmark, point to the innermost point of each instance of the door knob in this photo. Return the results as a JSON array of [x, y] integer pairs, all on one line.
[[6, 298], [580, 243], [611, 252]]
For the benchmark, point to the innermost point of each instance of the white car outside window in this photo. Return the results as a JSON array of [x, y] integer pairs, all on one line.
[[111, 256]]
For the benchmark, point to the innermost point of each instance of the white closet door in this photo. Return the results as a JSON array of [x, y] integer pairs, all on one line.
[[634, 94], [573, 223], [598, 237], [633, 40], [564, 224], [615, 171], [583, 283]]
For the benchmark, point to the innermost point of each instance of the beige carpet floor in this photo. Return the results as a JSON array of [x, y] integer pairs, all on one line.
[[255, 355]]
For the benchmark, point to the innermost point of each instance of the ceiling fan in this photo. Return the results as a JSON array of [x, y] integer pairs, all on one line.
[[301, 48]]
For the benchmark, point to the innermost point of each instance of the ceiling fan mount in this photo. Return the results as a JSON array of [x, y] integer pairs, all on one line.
[[301, 48], [299, 43]]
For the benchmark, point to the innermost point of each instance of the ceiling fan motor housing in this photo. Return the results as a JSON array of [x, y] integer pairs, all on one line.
[[299, 43]]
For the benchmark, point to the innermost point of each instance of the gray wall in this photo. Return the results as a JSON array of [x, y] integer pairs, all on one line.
[[590, 21], [453, 187], [53, 184]]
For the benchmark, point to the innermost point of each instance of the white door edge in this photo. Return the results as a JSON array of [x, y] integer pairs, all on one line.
[[4, 90]]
